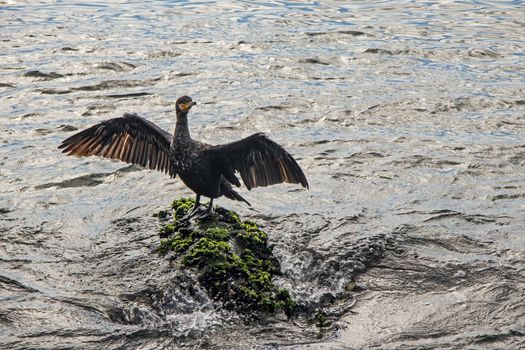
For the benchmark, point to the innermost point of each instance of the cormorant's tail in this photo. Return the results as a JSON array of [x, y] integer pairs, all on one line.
[[231, 194]]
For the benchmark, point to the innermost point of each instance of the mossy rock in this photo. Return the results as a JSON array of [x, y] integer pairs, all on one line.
[[232, 258]]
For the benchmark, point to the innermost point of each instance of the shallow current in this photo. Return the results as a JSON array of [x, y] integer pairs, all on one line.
[[408, 118]]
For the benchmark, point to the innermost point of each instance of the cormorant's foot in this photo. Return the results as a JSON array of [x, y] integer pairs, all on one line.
[[183, 222], [186, 218], [194, 212], [203, 215]]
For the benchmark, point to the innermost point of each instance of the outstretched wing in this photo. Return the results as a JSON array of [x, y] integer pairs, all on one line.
[[130, 138], [260, 161]]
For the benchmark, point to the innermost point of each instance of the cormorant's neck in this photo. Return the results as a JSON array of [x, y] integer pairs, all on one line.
[[181, 128]]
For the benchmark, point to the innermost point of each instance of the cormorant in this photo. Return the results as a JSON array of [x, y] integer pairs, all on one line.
[[206, 169]]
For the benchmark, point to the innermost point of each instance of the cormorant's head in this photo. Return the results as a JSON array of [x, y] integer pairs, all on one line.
[[184, 104]]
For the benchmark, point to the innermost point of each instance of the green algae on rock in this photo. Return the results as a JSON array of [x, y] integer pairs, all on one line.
[[232, 258]]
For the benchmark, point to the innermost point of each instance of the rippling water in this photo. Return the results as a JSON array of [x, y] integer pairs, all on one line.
[[408, 118]]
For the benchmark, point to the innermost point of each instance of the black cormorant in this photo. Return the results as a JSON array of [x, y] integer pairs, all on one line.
[[206, 169]]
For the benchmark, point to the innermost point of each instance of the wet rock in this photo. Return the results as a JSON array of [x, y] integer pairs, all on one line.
[[231, 257]]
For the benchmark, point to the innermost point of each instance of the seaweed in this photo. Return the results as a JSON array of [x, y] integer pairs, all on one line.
[[232, 258]]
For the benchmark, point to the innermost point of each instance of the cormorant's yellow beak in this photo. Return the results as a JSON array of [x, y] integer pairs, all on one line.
[[187, 106]]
